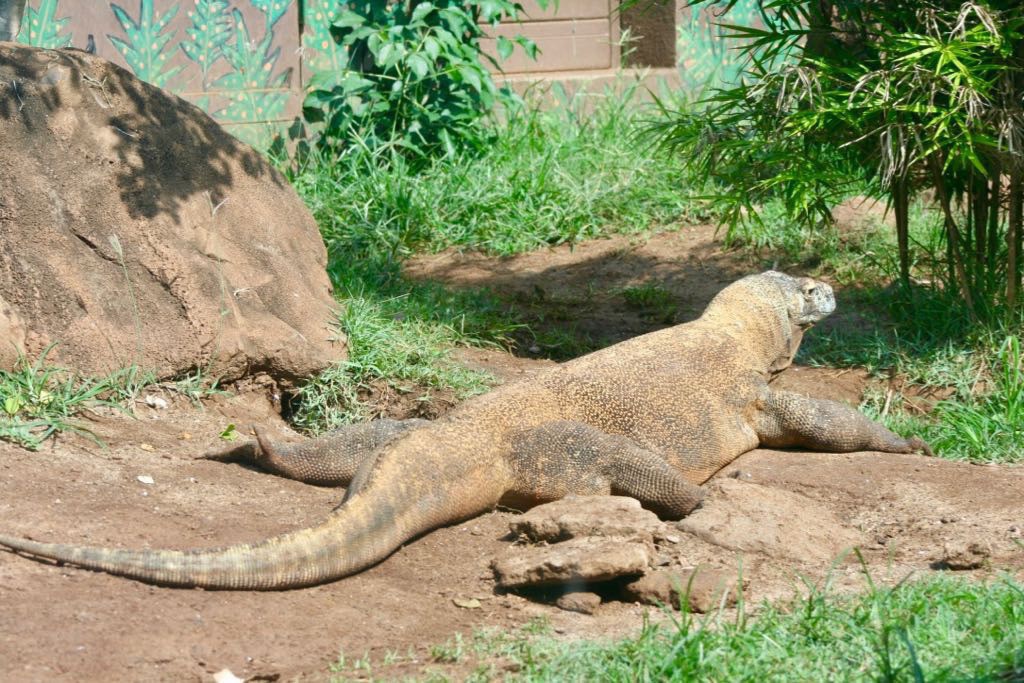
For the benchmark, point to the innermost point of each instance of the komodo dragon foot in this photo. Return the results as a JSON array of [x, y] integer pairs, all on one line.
[[330, 460]]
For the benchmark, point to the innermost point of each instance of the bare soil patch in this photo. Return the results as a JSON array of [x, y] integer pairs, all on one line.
[[769, 510]]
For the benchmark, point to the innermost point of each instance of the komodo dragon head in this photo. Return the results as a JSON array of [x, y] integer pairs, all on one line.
[[770, 312]]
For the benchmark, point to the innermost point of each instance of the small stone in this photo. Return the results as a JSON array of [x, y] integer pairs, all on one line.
[[156, 402], [464, 603], [574, 562], [707, 588], [145, 479], [576, 516], [226, 676], [579, 601], [963, 556], [149, 448]]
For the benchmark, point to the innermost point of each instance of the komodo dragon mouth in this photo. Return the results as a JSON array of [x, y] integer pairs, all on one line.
[[653, 418]]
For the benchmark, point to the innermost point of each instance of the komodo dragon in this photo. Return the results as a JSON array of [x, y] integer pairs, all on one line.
[[652, 418]]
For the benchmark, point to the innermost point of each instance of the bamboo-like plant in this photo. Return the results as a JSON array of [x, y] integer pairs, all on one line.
[[905, 97]]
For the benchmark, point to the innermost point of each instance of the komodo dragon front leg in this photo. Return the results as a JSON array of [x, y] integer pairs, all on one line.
[[564, 458], [331, 460], [786, 419]]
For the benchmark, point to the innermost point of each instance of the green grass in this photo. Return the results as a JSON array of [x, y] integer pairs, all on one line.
[[977, 425], [575, 171], [652, 301], [399, 333], [942, 628], [39, 400], [939, 629]]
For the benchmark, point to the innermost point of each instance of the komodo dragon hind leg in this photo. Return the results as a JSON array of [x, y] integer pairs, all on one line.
[[787, 419], [329, 460], [565, 458]]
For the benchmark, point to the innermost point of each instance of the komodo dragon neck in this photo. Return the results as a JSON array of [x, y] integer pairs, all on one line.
[[766, 333]]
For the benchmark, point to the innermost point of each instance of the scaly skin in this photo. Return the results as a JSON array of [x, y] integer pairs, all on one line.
[[653, 418]]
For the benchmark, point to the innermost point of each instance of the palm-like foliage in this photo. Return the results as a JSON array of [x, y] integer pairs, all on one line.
[[902, 96]]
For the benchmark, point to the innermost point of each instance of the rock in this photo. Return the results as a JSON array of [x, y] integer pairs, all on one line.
[[13, 335], [963, 556], [575, 562], [581, 516], [226, 676], [665, 587], [744, 516], [579, 601], [135, 230]]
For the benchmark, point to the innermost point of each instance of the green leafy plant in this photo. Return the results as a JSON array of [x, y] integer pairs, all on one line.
[[230, 433], [42, 28], [652, 301], [415, 78], [145, 47]]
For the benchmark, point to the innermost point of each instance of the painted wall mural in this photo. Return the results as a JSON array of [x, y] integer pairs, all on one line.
[[240, 60], [246, 61], [705, 57]]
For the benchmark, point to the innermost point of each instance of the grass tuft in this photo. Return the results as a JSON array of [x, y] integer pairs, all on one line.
[[399, 333], [939, 629], [38, 399]]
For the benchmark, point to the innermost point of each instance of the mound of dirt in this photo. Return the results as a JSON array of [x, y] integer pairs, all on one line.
[[135, 230]]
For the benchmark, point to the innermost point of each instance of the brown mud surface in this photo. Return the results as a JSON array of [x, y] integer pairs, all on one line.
[[781, 512]]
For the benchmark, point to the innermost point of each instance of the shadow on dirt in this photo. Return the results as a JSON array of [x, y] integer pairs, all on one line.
[[576, 300]]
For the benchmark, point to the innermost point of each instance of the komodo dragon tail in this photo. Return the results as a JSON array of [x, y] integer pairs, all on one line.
[[396, 504]]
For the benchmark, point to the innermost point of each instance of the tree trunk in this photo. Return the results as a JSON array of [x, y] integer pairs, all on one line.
[[1013, 240], [901, 209], [949, 222]]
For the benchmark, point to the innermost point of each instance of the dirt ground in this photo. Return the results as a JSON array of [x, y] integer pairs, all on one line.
[[912, 515]]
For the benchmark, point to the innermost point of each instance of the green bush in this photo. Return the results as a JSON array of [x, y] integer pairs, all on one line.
[[416, 78]]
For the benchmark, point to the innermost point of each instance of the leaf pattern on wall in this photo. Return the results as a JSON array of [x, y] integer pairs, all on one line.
[[319, 49], [145, 47], [210, 30], [705, 58], [41, 27], [272, 9], [252, 77]]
